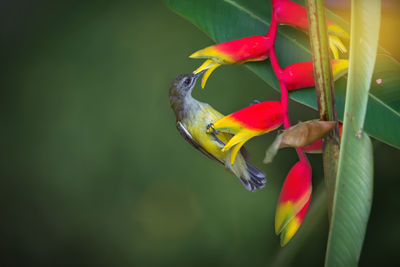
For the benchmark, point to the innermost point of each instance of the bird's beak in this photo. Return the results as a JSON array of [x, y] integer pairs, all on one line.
[[197, 75]]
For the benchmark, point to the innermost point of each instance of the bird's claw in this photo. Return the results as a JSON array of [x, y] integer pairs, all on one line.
[[213, 132], [210, 129], [255, 101]]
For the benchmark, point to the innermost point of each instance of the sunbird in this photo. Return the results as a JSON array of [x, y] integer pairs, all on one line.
[[193, 118]]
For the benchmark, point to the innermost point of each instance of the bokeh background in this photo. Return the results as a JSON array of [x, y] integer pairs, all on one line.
[[93, 171]]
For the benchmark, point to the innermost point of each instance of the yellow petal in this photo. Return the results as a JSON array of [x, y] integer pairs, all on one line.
[[335, 43], [212, 53], [237, 141], [334, 29], [339, 68], [204, 53], [237, 138], [293, 225], [333, 48], [228, 125], [208, 73], [285, 212], [207, 64], [236, 149], [289, 231]]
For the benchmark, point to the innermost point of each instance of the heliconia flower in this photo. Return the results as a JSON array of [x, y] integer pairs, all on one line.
[[293, 201], [293, 14], [316, 147], [249, 122], [252, 48], [300, 75]]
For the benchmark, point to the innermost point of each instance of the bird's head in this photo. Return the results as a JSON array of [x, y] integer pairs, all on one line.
[[183, 84]]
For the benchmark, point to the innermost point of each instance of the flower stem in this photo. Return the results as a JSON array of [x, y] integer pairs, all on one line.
[[325, 91], [284, 97], [273, 28]]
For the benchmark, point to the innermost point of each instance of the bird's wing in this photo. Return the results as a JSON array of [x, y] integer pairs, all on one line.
[[188, 137]]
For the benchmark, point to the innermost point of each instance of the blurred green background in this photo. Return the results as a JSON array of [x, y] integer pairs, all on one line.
[[93, 171]]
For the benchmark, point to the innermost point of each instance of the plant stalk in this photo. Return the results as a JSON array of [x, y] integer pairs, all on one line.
[[324, 86]]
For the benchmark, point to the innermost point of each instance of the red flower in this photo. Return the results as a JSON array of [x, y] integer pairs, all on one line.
[[293, 201], [293, 14], [246, 123], [253, 48], [300, 75]]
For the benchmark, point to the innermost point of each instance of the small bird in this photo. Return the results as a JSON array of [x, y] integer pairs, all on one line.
[[193, 118]]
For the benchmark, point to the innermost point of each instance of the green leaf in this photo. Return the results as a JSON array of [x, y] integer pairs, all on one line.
[[226, 20], [352, 202], [354, 182]]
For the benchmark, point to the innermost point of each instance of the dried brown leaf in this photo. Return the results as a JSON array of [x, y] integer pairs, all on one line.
[[306, 133]]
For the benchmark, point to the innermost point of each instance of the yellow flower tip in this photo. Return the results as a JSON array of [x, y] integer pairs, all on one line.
[[208, 52], [289, 231], [334, 29], [236, 149], [209, 65], [241, 135], [203, 83], [344, 63], [333, 48], [206, 64], [335, 45], [228, 125], [197, 54], [339, 68], [207, 74], [237, 141], [284, 213]]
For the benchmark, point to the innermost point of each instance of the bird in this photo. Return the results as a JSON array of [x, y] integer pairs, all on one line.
[[193, 118]]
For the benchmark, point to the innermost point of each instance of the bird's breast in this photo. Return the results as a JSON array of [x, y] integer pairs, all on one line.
[[197, 122]]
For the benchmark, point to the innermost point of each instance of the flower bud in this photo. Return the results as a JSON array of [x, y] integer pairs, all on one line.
[[293, 201]]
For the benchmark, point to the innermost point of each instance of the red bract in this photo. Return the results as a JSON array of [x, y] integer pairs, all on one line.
[[246, 123], [290, 13], [252, 48], [260, 117], [300, 75], [293, 14], [293, 201]]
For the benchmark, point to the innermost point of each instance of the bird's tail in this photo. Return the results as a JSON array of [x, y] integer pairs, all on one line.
[[251, 177], [255, 180]]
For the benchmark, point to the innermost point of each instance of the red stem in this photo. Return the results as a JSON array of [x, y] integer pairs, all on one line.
[[278, 72], [273, 28]]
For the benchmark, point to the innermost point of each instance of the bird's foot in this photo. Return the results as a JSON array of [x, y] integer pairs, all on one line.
[[255, 101], [210, 130]]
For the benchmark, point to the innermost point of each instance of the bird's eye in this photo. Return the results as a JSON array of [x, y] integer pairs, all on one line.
[[187, 81]]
